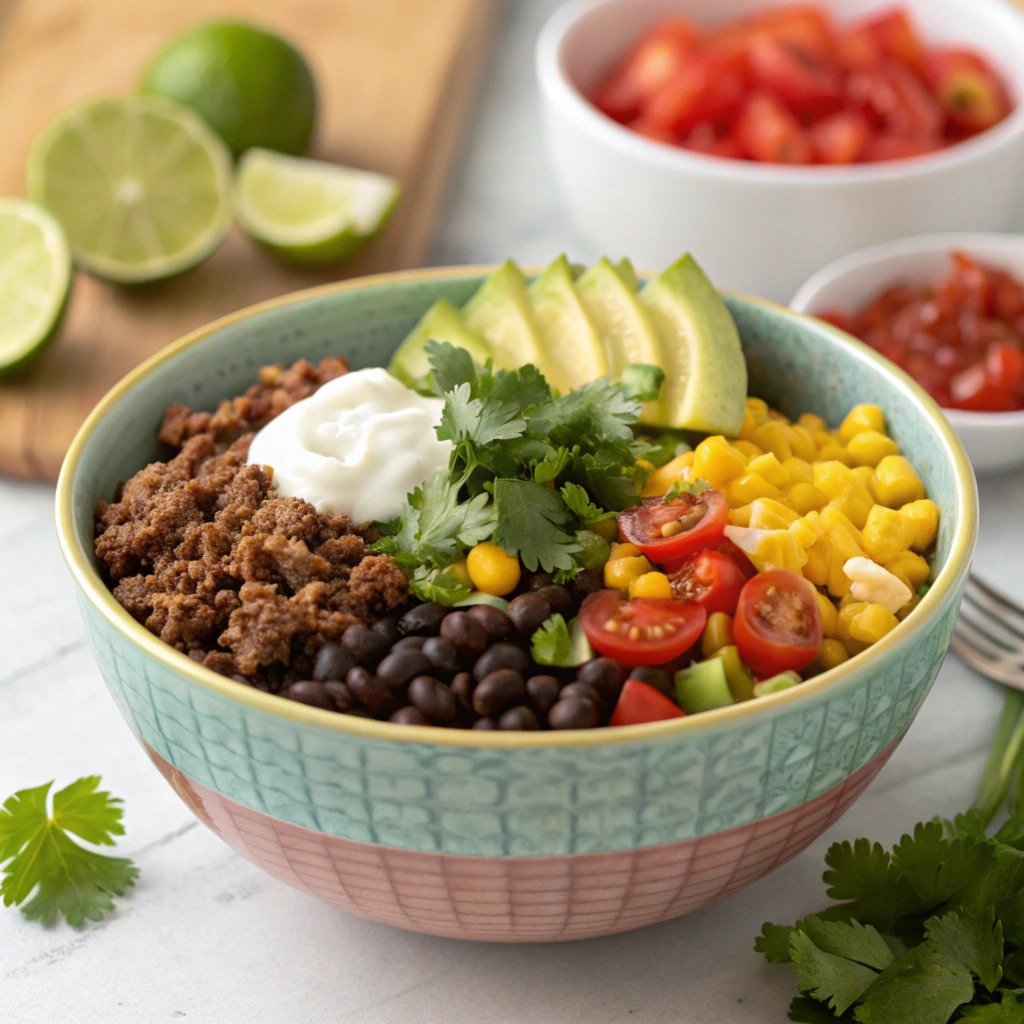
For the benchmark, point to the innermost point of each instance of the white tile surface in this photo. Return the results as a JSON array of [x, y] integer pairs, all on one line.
[[208, 938]]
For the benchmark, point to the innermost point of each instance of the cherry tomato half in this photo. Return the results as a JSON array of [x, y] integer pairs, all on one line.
[[777, 625], [683, 526], [639, 703], [641, 631], [710, 578]]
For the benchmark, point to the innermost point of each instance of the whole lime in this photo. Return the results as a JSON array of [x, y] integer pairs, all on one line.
[[251, 86]]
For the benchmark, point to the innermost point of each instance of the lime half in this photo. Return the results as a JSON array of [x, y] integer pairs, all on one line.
[[141, 186], [35, 278], [308, 211]]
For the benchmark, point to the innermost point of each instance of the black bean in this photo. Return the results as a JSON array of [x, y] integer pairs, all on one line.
[[409, 716], [341, 695], [578, 689], [424, 619], [374, 694], [410, 643], [462, 687], [387, 628], [588, 582], [543, 693], [503, 655], [498, 691], [528, 612], [519, 718], [604, 675], [433, 698], [539, 580], [485, 724], [400, 666], [558, 597], [364, 645], [332, 662], [574, 713], [655, 677], [308, 691], [494, 620], [466, 633], [443, 654]]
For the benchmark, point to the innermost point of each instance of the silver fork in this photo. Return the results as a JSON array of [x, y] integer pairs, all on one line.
[[989, 634]]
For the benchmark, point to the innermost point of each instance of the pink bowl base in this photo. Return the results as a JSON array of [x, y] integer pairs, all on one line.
[[519, 899]]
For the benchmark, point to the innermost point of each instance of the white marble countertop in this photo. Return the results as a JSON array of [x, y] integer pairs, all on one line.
[[208, 937]]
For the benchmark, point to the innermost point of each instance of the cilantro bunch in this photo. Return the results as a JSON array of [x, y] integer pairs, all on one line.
[[528, 470]]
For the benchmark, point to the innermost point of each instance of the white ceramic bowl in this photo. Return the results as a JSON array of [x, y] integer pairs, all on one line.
[[764, 228], [994, 440]]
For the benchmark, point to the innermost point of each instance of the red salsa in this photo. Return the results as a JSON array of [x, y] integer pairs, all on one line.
[[961, 338]]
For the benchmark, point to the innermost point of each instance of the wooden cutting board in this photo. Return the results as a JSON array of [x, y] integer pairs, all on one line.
[[395, 79]]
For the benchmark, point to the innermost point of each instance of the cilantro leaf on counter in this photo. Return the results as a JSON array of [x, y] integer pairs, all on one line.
[[922, 986], [1009, 1011], [835, 980], [978, 944], [47, 868], [530, 522]]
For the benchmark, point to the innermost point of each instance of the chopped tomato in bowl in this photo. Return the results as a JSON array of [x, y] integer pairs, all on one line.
[[669, 529]]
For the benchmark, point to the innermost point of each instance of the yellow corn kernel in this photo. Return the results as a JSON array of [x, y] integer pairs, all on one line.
[[768, 514], [845, 618], [819, 562], [886, 533], [774, 414], [910, 568], [624, 551], [872, 623], [774, 437], [811, 421], [924, 514], [908, 607], [829, 615], [651, 584], [834, 451], [844, 547], [778, 549], [864, 475], [717, 461], [717, 634], [896, 483], [822, 437], [771, 469], [806, 498], [758, 406], [855, 647], [869, 447], [748, 426], [832, 653], [748, 448], [861, 418], [748, 488], [808, 530], [843, 490], [492, 570], [833, 518], [802, 442], [645, 464], [620, 573], [741, 516], [799, 470], [662, 479]]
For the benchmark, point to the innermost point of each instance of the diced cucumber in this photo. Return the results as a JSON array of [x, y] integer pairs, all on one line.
[[580, 650], [741, 682], [703, 687], [783, 681]]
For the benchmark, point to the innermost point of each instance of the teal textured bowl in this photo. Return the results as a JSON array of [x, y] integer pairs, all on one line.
[[248, 761]]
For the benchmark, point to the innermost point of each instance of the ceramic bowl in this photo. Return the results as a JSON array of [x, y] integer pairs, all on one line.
[[764, 228], [994, 440], [509, 836]]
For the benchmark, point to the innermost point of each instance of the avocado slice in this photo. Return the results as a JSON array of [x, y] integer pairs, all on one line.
[[705, 372], [624, 268], [624, 326], [500, 312], [571, 343], [442, 322]]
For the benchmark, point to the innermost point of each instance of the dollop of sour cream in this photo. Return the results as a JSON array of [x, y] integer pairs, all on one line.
[[358, 445]]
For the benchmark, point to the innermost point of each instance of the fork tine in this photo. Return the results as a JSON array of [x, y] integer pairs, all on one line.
[[979, 641], [966, 653], [1000, 607], [991, 628]]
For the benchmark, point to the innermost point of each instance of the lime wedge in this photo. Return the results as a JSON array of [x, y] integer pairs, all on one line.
[[308, 211], [35, 278], [141, 186]]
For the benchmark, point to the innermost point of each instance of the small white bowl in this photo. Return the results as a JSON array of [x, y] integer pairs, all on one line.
[[994, 440], [764, 228]]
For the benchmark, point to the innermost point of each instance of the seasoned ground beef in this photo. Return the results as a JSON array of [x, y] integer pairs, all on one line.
[[204, 553]]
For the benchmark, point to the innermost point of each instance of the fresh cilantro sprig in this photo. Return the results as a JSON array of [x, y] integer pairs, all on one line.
[[696, 488], [45, 871]]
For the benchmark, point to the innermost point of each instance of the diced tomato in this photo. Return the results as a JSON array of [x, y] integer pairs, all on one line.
[[653, 131], [896, 101], [808, 26], [768, 132], [652, 62], [896, 37], [641, 631], [744, 564], [639, 703], [857, 49], [710, 578], [969, 91], [808, 83], [705, 139], [669, 531], [840, 138], [777, 626], [897, 147], [708, 87]]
